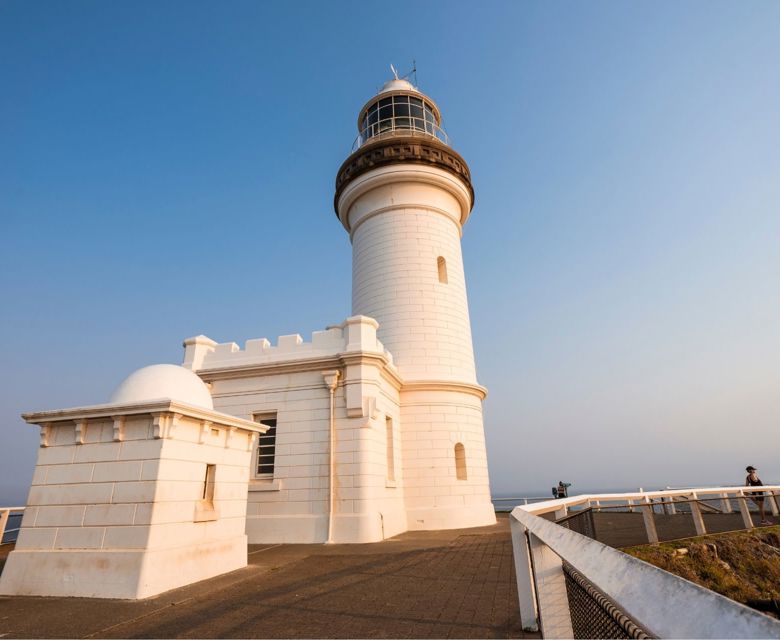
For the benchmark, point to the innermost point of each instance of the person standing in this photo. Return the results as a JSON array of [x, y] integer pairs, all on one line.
[[753, 480]]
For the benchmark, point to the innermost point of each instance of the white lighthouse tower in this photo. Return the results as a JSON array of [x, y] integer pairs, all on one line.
[[403, 196]]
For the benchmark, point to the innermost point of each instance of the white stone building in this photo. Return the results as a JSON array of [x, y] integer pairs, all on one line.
[[403, 422], [371, 428]]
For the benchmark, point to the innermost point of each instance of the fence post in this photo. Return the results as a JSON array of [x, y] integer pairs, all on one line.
[[647, 516], [744, 510], [4, 513], [672, 508], [554, 613], [698, 521], [630, 505], [524, 576], [561, 513], [772, 500], [725, 503]]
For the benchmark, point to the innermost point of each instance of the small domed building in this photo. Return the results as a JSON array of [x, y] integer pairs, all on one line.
[[370, 428]]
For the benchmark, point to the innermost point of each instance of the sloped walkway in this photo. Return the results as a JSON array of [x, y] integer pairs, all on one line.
[[444, 584]]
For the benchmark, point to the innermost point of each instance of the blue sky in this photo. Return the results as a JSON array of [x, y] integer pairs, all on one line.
[[166, 169]]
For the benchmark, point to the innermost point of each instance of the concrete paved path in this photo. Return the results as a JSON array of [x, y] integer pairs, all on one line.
[[443, 584]]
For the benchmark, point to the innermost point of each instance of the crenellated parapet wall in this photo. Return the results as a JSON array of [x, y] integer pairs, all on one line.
[[355, 334]]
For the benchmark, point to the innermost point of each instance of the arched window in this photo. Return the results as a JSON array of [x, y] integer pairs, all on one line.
[[460, 462], [442, 264]]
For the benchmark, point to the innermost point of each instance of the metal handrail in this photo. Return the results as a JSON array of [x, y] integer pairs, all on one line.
[[657, 600], [645, 497], [396, 126]]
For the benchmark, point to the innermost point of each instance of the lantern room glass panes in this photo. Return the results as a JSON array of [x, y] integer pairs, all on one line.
[[398, 112]]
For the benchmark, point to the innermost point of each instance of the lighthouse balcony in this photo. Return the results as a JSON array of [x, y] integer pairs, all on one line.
[[400, 126]]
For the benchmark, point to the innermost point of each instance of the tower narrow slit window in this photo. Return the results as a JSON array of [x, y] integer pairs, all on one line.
[[460, 462], [390, 449], [442, 266], [266, 446]]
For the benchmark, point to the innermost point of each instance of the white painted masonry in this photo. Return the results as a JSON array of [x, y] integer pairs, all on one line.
[[367, 444], [405, 222], [287, 380], [403, 219], [119, 506]]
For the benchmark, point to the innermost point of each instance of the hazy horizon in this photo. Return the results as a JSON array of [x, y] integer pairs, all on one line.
[[169, 171]]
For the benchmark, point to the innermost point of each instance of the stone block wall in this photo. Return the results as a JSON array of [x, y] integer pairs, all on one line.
[[117, 508], [437, 495], [293, 504], [395, 278]]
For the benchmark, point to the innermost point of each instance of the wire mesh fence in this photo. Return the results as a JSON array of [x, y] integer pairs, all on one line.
[[593, 614]]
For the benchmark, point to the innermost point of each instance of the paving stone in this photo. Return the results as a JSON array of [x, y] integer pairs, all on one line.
[[439, 584]]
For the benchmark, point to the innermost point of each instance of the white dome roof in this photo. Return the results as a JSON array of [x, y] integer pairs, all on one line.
[[396, 84], [163, 381]]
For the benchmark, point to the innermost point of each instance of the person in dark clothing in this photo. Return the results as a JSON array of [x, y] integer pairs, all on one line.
[[753, 480], [563, 489]]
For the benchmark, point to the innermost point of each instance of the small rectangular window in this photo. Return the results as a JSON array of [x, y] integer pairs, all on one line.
[[266, 446], [208, 484], [390, 448]]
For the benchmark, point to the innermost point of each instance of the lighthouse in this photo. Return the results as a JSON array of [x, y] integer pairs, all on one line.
[[370, 428], [404, 196]]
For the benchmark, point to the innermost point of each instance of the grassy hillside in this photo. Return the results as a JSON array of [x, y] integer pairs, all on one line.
[[741, 565]]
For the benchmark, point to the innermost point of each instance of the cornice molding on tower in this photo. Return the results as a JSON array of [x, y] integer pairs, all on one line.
[[470, 388], [391, 175], [402, 149]]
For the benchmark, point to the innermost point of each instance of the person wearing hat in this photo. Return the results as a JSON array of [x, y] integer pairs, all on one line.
[[753, 480]]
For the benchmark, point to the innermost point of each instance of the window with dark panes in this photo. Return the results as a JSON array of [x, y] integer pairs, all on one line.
[[266, 445], [398, 112]]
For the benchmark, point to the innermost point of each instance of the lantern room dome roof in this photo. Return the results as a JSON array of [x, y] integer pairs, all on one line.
[[163, 381], [396, 84]]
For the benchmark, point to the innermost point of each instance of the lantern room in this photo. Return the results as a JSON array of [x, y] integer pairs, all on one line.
[[399, 109]]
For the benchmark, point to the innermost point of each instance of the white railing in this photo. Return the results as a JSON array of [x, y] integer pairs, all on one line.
[[5, 513], [513, 502], [646, 501], [663, 604], [400, 126]]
